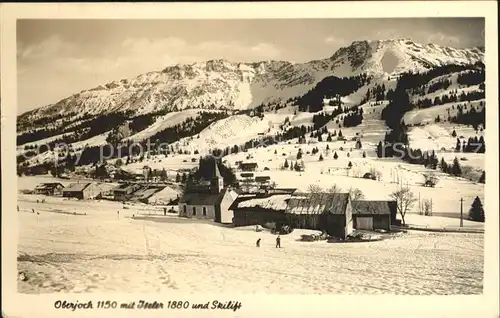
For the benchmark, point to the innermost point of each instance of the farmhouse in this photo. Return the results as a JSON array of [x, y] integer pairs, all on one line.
[[53, 188], [208, 202], [373, 215], [328, 212], [248, 166], [260, 208], [124, 191], [82, 191]]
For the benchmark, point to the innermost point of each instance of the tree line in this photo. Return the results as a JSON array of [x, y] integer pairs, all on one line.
[[330, 87]]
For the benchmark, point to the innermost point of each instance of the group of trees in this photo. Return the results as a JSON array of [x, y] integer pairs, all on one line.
[[473, 145], [473, 77], [205, 170], [378, 93], [293, 166], [437, 85], [453, 169], [449, 98], [470, 117], [330, 87], [354, 118], [406, 199], [85, 128]]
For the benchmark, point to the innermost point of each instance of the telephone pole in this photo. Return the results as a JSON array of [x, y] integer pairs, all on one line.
[[461, 212]]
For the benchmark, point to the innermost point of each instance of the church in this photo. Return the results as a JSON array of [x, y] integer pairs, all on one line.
[[212, 202]]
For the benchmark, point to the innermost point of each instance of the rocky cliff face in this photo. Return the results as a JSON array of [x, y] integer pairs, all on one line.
[[221, 84]]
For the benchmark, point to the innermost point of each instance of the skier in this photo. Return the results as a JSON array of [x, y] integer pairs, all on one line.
[[258, 242], [278, 241]]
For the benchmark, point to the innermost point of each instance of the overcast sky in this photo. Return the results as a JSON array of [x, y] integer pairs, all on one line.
[[57, 58]]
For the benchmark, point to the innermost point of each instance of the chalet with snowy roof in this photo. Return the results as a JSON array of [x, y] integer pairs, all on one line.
[[374, 215], [82, 191], [329, 212], [211, 202], [53, 188]]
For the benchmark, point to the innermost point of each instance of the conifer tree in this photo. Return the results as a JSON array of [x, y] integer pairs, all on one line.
[[476, 212], [482, 179], [335, 156], [358, 144], [456, 170]]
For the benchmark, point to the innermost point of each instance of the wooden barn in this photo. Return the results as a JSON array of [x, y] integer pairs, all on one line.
[[53, 188], [327, 212], [82, 191], [124, 191], [260, 208], [374, 215]]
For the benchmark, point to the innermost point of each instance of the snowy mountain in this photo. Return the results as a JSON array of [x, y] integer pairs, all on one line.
[[221, 84]]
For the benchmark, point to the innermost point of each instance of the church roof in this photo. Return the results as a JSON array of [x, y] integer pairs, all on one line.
[[216, 170]]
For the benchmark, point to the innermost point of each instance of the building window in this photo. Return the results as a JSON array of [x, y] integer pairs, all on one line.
[[185, 209], [204, 211], [194, 210]]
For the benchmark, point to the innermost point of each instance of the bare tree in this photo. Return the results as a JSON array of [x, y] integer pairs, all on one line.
[[334, 189], [430, 180], [405, 200], [356, 194], [427, 207], [314, 189]]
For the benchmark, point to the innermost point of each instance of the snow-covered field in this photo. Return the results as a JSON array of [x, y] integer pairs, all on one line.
[[104, 251]]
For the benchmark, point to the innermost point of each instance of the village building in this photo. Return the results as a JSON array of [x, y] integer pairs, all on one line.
[[82, 191], [53, 188], [329, 212], [374, 215], [124, 191], [248, 166], [211, 202]]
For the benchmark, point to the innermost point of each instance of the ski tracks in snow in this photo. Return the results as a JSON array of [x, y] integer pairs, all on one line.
[[165, 278]]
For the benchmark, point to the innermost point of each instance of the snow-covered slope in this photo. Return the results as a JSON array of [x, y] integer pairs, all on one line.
[[232, 85]]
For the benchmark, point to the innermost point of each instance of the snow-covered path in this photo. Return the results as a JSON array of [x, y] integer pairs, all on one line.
[[102, 251]]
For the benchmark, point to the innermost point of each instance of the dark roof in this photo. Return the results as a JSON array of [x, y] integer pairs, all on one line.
[[371, 207], [317, 203], [50, 185], [248, 164], [216, 170], [202, 198], [76, 187], [262, 178]]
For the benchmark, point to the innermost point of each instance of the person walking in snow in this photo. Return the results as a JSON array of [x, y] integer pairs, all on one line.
[[258, 242], [278, 241]]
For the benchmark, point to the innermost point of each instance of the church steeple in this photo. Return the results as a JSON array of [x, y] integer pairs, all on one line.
[[217, 182]]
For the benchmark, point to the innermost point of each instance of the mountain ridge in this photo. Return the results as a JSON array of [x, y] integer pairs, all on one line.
[[223, 84]]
